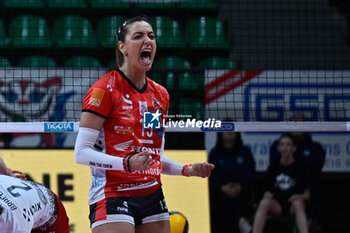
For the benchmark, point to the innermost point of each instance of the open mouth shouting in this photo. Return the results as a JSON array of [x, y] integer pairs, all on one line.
[[146, 56]]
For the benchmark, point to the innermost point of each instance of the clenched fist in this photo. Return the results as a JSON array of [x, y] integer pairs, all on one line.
[[199, 169], [140, 161]]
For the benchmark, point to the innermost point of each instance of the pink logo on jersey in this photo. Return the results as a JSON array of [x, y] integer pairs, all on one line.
[[143, 107]]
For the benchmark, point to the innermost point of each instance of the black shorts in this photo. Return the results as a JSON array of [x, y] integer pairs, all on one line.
[[134, 210]]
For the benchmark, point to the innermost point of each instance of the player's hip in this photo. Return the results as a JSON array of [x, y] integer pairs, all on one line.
[[133, 209], [132, 188]]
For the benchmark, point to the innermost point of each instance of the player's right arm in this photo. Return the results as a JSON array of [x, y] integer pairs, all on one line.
[[89, 129]]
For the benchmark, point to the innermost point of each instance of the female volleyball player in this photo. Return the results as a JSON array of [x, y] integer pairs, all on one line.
[[27, 206], [126, 159], [287, 188]]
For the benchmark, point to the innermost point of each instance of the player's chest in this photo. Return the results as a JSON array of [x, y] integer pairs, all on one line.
[[130, 106]]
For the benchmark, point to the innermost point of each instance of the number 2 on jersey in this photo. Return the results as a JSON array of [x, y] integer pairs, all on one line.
[[13, 187]]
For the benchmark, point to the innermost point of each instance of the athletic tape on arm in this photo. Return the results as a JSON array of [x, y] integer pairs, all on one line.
[[85, 154]]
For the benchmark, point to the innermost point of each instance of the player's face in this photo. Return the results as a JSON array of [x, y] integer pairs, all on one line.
[[286, 147], [140, 46], [228, 139], [229, 136]]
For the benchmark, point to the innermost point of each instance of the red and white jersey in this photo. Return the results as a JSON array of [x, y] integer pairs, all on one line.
[[115, 98], [26, 205]]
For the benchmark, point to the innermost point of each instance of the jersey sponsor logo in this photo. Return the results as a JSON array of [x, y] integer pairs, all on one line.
[[143, 107], [7, 201], [97, 180], [29, 212], [155, 151], [123, 146], [126, 100], [125, 204], [156, 104], [96, 97], [129, 107], [129, 130], [110, 83], [154, 170], [122, 209], [109, 87], [151, 171], [136, 185]]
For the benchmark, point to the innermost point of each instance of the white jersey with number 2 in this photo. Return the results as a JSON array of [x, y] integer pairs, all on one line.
[[26, 205]]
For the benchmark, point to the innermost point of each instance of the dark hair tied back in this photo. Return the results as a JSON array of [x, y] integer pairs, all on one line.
[[124, 27]]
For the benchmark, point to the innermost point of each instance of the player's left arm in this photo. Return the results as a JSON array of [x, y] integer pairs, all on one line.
[[171, 167]]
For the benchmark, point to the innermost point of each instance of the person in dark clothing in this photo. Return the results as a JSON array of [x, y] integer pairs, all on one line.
[[287, 187], [231, 181], [312, 156], [310, 153]]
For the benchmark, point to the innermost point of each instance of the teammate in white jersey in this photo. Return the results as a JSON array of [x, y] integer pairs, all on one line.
[[29, 207]]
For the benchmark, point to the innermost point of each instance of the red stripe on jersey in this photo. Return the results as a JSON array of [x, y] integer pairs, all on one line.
[[101, 211]]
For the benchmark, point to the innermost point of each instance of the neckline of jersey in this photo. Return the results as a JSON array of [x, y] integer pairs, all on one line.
[[142, 90]]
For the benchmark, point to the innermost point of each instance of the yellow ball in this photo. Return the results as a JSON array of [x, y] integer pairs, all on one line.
[[178, 222]]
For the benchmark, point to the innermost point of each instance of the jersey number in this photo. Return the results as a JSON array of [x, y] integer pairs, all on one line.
[[13, 187], [149, 133]]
